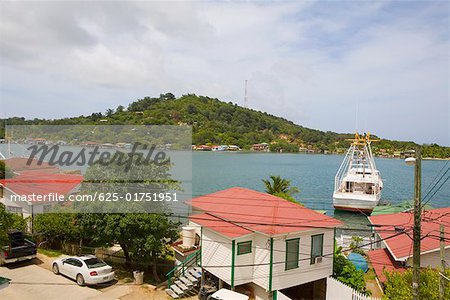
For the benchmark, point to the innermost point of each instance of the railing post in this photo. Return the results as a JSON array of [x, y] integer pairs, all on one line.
[[169, 280]]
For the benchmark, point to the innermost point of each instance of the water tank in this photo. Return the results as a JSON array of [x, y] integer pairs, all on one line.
[[188, 237]]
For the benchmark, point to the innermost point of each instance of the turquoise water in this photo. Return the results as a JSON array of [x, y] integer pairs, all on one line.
[[312, 174]]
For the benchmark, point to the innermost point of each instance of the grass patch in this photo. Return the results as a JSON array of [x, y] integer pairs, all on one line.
[[50, 252], [125, 273], [370, 274]]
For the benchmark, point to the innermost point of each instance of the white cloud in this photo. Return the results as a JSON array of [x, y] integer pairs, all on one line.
[[308, 62]]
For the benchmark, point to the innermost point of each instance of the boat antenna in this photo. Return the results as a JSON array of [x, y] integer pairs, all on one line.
[[245, 94]]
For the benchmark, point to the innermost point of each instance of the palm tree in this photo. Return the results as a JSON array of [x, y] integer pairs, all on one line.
[[280, 187]]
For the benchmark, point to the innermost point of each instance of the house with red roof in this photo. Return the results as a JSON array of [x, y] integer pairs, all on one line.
[[32, 192], [24, 164], [395, 233], [264, 244]]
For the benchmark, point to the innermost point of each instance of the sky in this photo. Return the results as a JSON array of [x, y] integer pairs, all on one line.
[[341, 66]]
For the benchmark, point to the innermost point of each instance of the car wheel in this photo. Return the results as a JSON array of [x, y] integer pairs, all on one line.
[[80, 280], [55, 269]]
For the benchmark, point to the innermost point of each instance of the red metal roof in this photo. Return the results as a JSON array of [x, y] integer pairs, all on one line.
[[257, 211], [382, 261], [29, 183], [20, 164], [226, 228], [401, 246]]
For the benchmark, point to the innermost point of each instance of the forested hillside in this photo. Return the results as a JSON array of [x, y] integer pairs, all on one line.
[[217, 122]]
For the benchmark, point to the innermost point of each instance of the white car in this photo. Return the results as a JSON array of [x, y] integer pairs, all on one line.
[[228, 295], [84, 269]]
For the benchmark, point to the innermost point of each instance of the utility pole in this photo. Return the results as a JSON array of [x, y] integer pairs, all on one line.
[[417, 220], [442, 255]]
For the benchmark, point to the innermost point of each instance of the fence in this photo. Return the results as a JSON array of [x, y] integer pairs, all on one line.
[[336, 290], [74, 249], [113, 254]]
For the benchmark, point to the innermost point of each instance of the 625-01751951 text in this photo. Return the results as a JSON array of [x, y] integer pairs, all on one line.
[[100, 196], [131, 197]]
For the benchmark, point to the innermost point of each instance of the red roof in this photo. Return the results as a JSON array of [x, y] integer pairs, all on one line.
[[29, 183], [19, 164], [401, 246], [381, 261], [238, 211], [226, 228]]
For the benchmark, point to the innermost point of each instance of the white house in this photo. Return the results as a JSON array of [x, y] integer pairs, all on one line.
[[265, 245], [33, 192], [396, 249]]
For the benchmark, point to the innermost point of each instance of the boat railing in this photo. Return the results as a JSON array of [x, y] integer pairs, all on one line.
[[344, 166]]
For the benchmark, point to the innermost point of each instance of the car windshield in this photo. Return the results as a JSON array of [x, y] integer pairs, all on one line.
[[94, 263]]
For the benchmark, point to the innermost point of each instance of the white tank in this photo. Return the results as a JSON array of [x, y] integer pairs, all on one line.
[[188, 237]]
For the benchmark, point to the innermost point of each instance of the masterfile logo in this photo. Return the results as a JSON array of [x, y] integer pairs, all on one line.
[[122, 168]]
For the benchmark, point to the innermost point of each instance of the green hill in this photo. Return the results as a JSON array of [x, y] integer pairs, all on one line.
[[217, 122]]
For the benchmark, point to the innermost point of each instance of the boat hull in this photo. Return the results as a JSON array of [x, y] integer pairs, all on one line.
[[355, 203], [353, 209]]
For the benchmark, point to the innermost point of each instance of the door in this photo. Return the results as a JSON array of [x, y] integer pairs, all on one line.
[[72, 267], [63, 267]]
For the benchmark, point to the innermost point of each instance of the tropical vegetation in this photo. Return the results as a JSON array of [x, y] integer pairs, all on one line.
[[398, 285], [9, 221], [216, 123], [280, 187], [346, 272]]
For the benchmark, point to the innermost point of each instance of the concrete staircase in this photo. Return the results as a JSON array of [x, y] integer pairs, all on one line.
[[185, 285], [184, 279]]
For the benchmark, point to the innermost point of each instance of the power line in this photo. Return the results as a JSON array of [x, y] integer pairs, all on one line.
[[431, 197], [293, 225], [303, 259], [428, 188]]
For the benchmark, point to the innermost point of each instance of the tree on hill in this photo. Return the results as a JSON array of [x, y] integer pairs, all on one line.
[[217, 122], [280, 187]]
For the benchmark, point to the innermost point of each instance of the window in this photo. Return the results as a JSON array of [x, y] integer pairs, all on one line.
[[244, 248], [94, 263], [292, 253], [316, 247], [74, 262]]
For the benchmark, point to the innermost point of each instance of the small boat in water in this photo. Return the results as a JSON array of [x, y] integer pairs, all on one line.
[[358, 183]]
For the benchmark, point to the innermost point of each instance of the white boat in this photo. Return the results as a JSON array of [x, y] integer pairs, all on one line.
[[358, 183]]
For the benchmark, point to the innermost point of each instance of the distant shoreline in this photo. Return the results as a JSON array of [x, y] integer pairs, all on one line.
[[273, 152], [432, 158], [305, 153]]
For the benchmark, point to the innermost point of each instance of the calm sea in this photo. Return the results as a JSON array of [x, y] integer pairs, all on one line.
[[312, 174]]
